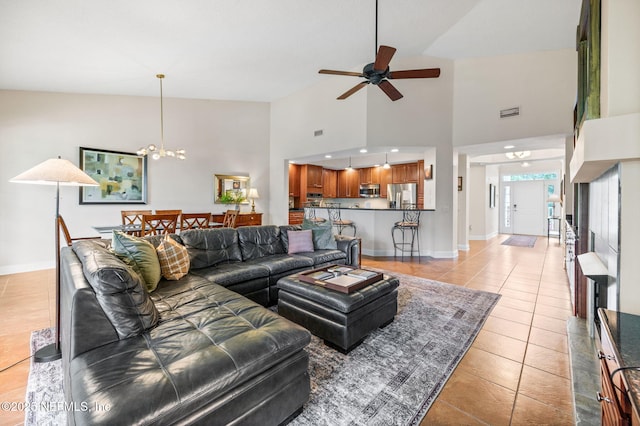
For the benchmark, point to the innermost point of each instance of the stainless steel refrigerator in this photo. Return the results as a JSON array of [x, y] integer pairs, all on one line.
[[400, 195]]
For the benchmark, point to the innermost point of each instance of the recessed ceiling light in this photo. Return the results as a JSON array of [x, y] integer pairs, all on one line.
[[363, 150], [525, 164], [509, 146], [395, 150], [292, 161], [327, 156]]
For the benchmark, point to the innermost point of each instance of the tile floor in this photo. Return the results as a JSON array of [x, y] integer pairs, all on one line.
[[516, 372]]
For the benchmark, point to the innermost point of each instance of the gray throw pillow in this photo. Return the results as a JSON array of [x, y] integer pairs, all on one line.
[[323, 238]]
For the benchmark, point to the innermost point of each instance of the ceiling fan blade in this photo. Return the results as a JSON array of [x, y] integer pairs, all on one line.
[[385, 53], [353, 90], [424, 73], [354, 74], [390, 90]]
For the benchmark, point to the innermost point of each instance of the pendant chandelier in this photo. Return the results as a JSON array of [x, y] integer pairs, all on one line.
[[152, 149]]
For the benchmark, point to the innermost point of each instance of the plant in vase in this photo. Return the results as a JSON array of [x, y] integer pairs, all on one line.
[[233, 197]]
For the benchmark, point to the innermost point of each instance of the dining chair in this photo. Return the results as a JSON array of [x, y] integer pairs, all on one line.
[[230, 217], [158, 224], [132, 219], [194, 221], [178, 212], [67, 236]]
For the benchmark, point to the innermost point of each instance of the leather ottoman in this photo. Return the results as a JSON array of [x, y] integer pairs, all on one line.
[[342, 320]]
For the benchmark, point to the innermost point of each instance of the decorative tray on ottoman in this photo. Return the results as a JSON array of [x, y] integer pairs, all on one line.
[[344, 279]]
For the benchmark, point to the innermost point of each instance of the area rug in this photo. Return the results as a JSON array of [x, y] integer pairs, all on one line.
[[392, 378], [520, 241], [45, 396]]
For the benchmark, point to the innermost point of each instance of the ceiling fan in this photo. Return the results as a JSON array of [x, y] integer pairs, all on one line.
[[378, 72]]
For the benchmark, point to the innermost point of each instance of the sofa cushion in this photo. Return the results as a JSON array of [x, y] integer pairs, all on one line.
[[208, 247], [323, 238], [208, 343], [228, 274], [278, 263], [299, 241], [324, 257], [174, 259], [259, 241], [140, 255], [119, 290]]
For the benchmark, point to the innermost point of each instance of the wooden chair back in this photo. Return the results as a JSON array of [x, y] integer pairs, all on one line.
[[133, 219], [67, 236], [230, 217], [178, 212], [195, 221], [158, 224]]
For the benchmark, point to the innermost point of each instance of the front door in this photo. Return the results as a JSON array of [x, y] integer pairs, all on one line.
[[523, 208]]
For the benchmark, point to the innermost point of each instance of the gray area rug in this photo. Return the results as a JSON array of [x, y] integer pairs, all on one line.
[[392, 378], [45, 396], [520, 241]]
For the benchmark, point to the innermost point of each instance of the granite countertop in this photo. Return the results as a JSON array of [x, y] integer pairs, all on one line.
[[625, 332]]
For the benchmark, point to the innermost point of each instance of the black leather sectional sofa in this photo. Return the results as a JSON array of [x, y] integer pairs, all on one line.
[[198, 350]]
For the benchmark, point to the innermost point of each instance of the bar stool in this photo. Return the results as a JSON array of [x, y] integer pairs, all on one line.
[[310, 213], [409, 227], [336, 218]]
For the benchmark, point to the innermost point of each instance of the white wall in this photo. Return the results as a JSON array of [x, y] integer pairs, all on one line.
[[219, 136], [629, 234], [483, 221], [542, 84]]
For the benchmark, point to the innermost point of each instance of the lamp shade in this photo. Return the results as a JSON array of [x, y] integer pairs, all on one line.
[[554, 198], [55, 171], [253, 193]]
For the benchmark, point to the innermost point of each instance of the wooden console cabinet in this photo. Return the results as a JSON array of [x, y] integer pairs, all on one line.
[[618, 390], [243, 219]]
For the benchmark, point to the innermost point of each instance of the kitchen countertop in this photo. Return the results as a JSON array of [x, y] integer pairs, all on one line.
[[365, 209], [625, 333]]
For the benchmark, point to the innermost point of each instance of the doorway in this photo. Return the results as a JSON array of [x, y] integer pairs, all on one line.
[[523, 208]]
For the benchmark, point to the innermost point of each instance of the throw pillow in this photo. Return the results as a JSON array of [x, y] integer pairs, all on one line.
[[300, 241], [174, 259], [140, 255], [323, 238]]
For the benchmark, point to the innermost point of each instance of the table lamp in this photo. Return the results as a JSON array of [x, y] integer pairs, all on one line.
[[55, 171], [253, 194]]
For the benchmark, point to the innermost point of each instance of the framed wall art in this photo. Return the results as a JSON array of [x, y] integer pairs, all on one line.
[[122, 177]]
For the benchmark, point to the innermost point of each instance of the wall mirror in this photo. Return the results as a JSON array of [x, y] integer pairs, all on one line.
[[231, 189]]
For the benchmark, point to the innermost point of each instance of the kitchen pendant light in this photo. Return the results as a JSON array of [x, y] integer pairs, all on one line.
[[386, 162], [349, 166], [152, 149]]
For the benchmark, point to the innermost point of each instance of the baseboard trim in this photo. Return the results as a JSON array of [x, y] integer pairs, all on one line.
[[26, 267]]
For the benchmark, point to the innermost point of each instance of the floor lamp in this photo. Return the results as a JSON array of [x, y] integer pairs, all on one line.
[[55, 171]]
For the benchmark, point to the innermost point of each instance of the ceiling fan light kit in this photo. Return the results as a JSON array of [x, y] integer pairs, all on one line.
[[378, 73], [152, 149], [517, 155]]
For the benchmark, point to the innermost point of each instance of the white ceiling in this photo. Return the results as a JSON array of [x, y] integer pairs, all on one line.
[[252, 49]]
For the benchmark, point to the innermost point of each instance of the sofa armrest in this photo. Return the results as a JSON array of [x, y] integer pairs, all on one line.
[[350, 246]]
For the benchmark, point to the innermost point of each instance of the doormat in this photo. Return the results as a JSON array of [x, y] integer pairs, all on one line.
[[392, 378], [520, 241]]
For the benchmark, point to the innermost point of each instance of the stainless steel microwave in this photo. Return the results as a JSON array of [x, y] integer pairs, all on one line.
[[370, 191]]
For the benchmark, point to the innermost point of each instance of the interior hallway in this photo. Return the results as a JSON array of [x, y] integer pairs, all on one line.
[[516, 372]]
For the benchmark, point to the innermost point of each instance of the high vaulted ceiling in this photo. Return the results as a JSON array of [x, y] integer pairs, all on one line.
[[255, 50]]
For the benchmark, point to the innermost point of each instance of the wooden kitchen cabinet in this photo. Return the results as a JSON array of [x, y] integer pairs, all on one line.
[[329, 183], [294, 180], [296, 217], [311, 178], [348, 184], [405, 173], [385, 179]]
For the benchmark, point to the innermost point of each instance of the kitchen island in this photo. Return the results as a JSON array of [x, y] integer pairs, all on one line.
[[374, 227]]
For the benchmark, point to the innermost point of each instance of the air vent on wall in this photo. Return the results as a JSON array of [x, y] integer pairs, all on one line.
[[317, 133], [510, 112]]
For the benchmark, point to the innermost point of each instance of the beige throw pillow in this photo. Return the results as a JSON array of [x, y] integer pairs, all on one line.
[[174, 259]]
